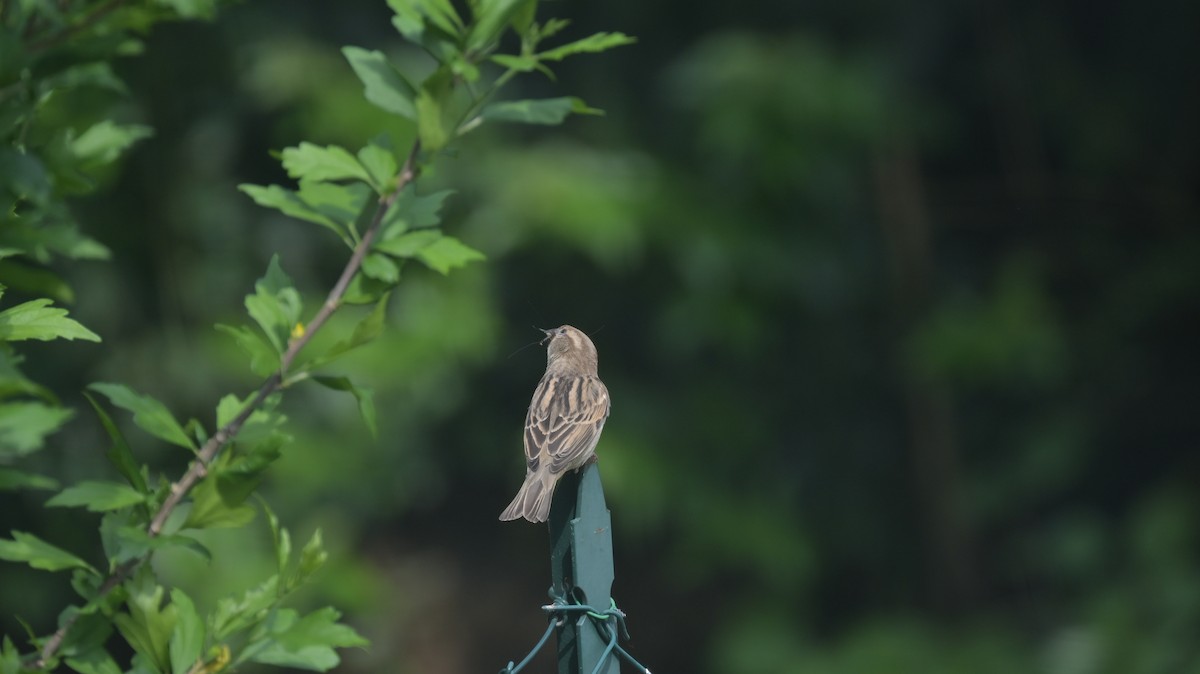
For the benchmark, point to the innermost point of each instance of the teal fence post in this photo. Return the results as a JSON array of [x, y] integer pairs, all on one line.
[[581, 564]]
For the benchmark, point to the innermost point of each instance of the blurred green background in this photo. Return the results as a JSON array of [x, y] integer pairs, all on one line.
[[897, 306]]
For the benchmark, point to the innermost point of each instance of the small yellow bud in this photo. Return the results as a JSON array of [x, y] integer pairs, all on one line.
[[220, 659], [298, 331]]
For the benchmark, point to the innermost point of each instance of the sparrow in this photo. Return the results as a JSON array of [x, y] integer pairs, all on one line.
[[566, 415]]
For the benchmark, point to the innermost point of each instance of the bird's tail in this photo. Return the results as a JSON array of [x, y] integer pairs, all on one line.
[[532, 502]]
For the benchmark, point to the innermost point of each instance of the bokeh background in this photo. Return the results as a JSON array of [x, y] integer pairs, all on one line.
[[897, 306]]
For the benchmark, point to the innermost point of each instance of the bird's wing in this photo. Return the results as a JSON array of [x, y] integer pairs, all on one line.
[[564, 422]]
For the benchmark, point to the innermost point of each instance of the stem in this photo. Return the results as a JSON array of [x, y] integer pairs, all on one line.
[[199, 467], [86, 22]]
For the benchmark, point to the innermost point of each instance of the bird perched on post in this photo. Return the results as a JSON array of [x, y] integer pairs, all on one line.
[[564, 421]]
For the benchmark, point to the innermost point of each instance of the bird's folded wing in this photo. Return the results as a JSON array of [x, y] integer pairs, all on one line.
[[564, 422]]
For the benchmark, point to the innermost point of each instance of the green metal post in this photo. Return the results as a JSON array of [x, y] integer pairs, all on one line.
[[581, 562]]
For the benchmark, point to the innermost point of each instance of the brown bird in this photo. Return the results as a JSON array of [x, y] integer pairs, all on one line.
[[565, 418]]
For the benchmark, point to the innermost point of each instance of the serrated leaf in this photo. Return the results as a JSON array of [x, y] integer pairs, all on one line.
[[188, 637], [383, 85], [120, 454], [148, 626], [313, 162], [280, 539], [275, 305], [522, 64], [149, 414], [10, 658], [289, 203], [542, 111], [39, 554], [593, 43], [340, 203], [94, 662], [305, 643], [413, 13], [210, 511], [411, 211], [364, 396], [409, 244], [447, 253], [24, 427], [381, 268], [491, 18], [36, 319], [312, 557], [430, 128], [132, 542], [381, 166], [14, 479], [103, 142], [97, 496], [264, 360], [232, 615], [367, 330]]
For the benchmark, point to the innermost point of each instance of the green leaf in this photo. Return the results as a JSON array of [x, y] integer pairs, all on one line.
[[289, 203], [592, 43], [275, 305], [380, 165], [120, 453], [233, 615], [411, 16], [218, 501], [149, 414], [409, 244], [14, 479], [262, 422], [543, 111], [367, 330], [313, 162], [89, 632], [304, 643], [383, 84], [413, 212], [132, 542], [491, 18], [447, 253], [24, 427], [264, 360], [312, 557], [24, 176], [432, 132], [148, 626], [39, 554], [188, 637], [102, 143], [364, 396], [10, 657], [193, 9], [97, 496], [36, 319], [280, 538], [380, 267], [94, 662], [522, 64], [37, 281], [340, 203]]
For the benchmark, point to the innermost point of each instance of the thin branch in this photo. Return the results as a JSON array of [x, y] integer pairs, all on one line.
[[83, 24], [207, 453]]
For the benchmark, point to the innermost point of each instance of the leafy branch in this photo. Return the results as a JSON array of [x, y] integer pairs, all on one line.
[[369, 202]]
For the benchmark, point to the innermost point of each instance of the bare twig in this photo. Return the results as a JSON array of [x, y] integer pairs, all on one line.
[[199, 468]]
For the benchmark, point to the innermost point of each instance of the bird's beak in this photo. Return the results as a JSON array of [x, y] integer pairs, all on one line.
[[549, 335]]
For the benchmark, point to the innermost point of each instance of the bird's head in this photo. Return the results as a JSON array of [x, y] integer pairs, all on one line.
[[569, 351]]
